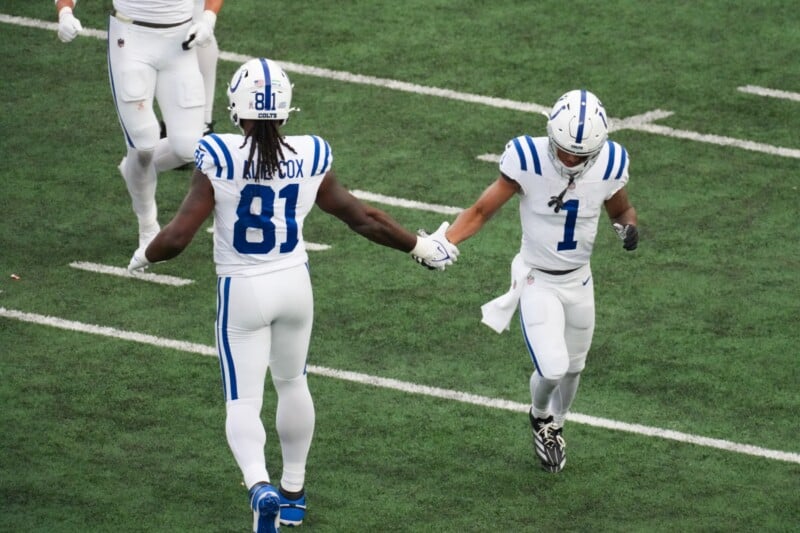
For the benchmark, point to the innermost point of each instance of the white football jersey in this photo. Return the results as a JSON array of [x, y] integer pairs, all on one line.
[[156, 11], [563, 240], [258, 225]]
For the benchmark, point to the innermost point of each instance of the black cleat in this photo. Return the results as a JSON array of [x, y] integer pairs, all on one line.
[[548, 443]]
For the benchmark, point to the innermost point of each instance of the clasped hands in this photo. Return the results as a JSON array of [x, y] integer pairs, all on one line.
[[435, 251]]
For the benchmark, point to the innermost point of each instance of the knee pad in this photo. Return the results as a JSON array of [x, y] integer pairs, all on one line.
[[140, 124], [287, 384], [576, 363]]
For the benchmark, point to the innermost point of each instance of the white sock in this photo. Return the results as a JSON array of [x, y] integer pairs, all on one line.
[[140, 177], [541, 390], [563, 396], [294, 420], [246, 439]]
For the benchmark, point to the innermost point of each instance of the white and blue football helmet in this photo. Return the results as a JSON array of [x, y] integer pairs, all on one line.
[[578, 125], [259, 90]]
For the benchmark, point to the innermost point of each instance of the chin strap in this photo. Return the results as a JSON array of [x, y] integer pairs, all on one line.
[[558, 201]]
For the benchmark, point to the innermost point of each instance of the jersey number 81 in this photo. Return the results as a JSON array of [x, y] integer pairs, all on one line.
[[265, 219]]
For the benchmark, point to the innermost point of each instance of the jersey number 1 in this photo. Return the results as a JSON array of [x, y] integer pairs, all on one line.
[[569, 242], [264, 220]]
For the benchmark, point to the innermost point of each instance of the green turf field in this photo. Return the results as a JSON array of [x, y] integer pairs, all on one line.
[[687, 416]]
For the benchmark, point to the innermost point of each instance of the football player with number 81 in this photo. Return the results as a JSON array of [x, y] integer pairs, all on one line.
[[260, 186]]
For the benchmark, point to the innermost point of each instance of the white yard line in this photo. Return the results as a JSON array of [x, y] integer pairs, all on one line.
[[411, 204], [123, 273], [411, 388], [641, 122], [772, 93]]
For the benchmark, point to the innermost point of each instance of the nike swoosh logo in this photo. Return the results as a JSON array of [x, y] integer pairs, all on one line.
[[586, 280]]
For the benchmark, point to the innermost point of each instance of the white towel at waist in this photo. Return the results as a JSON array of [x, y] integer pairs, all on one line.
[[497, 314]]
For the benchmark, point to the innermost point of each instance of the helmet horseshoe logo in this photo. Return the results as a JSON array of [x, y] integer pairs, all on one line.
[[238, 81]]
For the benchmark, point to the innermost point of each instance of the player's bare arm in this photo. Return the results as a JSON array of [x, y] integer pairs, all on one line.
[[195, 209], [623, 218], [213, 5], [473, 218], [365, 220], [620, 210]]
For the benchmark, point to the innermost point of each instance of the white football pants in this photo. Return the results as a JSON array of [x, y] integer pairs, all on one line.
[[146, 64], [264, 322], [557, 315]]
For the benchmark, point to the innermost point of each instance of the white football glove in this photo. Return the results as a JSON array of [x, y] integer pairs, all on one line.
[[435, 251], [138, 262], [201, 31], [68, 25]]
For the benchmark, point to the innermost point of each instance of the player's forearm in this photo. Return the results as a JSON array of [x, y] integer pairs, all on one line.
[[60, 4], [167, 244], [467, 223], [382, 229], [626, 217], [213, 5]]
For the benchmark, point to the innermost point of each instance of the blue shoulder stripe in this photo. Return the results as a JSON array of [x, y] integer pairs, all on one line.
[[326, 158], [610, 165], [227, 154], [211, 151], [622, 162], [612, 160], [522, 163], [316, 155], [536, 166], [523, 160]]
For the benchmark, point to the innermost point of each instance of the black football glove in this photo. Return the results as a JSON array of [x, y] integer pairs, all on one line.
[[629, 235]]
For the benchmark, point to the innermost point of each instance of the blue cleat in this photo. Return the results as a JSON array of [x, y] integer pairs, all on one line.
[[293, 511], [266, 504]]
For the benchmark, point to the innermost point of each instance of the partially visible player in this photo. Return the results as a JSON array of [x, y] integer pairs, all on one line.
[[260, 186], [152, 55], [207, 58], [563, 180]]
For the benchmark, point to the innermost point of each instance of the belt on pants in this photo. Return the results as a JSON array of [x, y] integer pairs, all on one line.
[[127, 20], [556, 272]]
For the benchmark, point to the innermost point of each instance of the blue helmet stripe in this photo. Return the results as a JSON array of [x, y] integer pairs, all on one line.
[[268, 104], [581, 117]]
